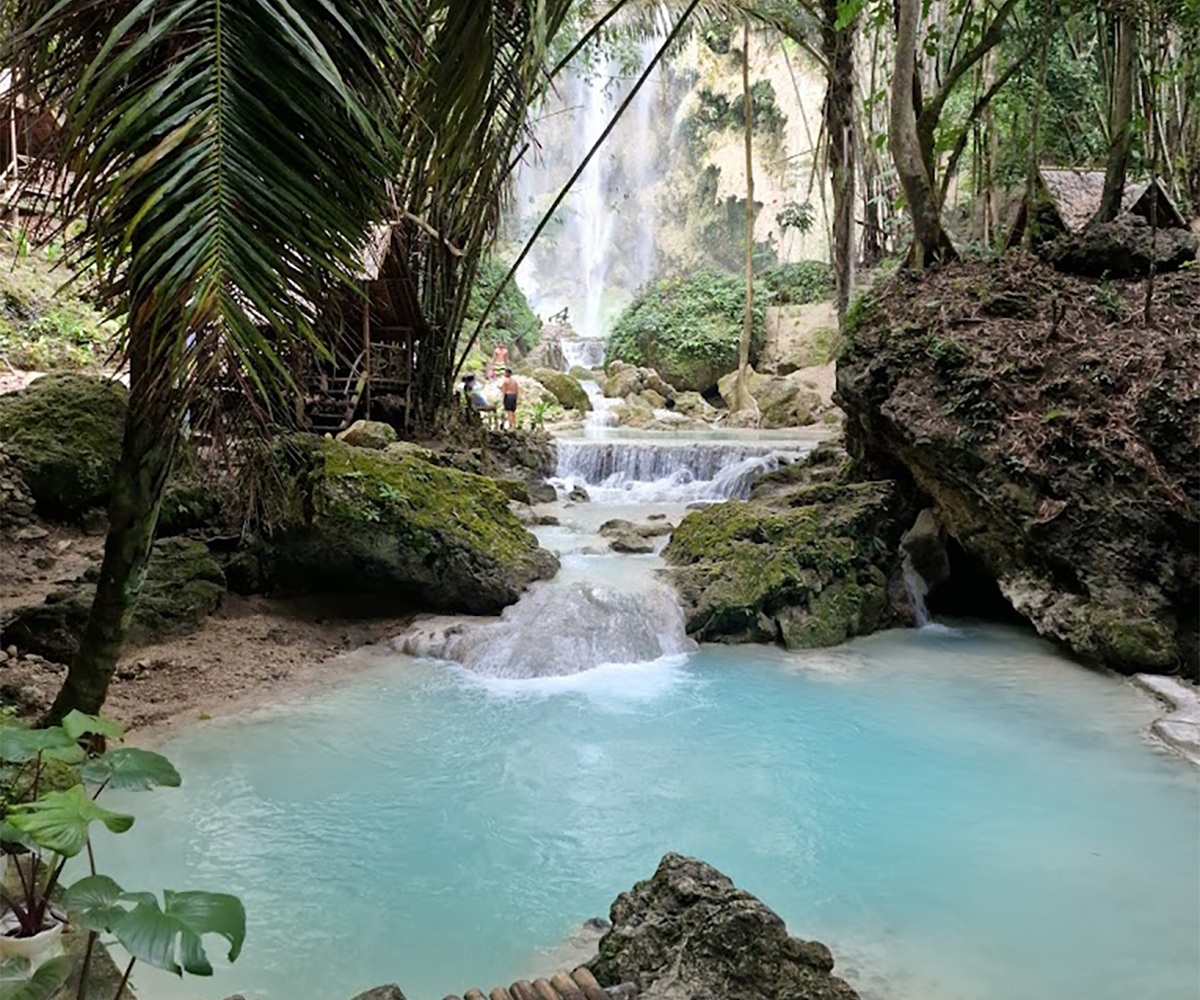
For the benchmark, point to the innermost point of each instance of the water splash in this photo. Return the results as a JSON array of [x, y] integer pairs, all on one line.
[[917, 590]]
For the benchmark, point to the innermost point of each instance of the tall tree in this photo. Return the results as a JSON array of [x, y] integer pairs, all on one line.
[[1120, 128], [837, 45], [930, 242], [742, 387]]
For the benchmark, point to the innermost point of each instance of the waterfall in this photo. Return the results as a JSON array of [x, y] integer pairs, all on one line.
[[556, 630], [644, 471], [593, 223], [916, 588]]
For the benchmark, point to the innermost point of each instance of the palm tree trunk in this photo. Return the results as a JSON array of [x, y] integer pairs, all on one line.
[[742, 391], [930, 242], [1121, 128], [838, 46], [151, 433]]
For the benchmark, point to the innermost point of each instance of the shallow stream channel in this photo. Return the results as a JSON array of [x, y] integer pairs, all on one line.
[[960, 812]]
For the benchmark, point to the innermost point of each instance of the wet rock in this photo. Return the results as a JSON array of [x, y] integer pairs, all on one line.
[[692, 404], [368, 434], [1070, 472], [782, 401], [389, 992], [924, 545], [578, 495], [624, 380], [690, 933], [429, 535], [540, 491], [183, 586], [806, 567], [565, 388], [514, 489], [68, 430]]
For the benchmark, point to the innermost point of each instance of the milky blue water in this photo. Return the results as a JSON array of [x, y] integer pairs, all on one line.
[[960, 816]]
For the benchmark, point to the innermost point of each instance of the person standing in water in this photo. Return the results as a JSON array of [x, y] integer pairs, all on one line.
[[511, 391], [499, 359]]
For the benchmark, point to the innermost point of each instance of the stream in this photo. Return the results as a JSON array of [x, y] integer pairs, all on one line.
[[960, 812]]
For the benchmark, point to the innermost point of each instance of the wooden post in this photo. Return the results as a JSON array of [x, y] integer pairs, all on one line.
[[366, 338]]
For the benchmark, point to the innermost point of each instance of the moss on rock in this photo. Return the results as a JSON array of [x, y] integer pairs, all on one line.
[[803, 568], [68, 429], [565, 388], [396, 524]]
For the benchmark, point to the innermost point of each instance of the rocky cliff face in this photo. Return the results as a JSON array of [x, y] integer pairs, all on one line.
[[1056, 436], [689, 933]]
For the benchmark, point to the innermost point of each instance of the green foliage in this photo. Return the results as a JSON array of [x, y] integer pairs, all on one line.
[[511, 320], [797, 215], [46, 324], [715, 113], [718, 35], [798, 282], [23, 982], [688, 329]]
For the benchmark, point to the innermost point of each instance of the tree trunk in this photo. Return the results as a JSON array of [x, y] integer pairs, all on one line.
[[838, 49], [1121, 127], [742, 390], [151, 432], [930, 242]]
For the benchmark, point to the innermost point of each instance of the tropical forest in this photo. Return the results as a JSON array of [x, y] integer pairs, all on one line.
[[599, 500]]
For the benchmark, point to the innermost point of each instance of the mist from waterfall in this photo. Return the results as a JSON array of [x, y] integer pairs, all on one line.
[[602, 247]]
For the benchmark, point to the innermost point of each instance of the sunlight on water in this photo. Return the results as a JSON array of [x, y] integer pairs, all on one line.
[[961, 815]]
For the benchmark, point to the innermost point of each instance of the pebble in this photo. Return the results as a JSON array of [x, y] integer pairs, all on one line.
[[32, 533], [12, 652], [3, 655]]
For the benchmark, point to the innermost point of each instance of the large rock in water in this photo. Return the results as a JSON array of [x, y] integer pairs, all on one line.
[[183, 586], [782, 400], [396, 524], [689, 933], [1055, 435], [68, 429], [806, 565]]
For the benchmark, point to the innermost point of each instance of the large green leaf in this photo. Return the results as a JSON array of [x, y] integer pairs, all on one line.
[[94, 903], [59, 821], [77, 724], [18, 745], [16, 983], [131, 769], [170, 937]]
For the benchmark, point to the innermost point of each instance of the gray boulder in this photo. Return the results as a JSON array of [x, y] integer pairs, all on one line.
[[689, 933], [368, 434]]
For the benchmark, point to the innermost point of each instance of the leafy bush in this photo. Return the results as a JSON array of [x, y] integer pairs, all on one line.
[[688, 329], [799, 282], [510, 320]]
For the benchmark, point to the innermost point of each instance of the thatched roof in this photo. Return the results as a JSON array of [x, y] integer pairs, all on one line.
[[1076, 195]]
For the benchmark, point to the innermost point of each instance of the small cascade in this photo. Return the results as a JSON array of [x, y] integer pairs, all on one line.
[[642, 471], [917, 589], [558, 630], [585, 352]]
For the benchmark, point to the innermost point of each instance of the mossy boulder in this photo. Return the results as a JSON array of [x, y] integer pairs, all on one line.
[[566, 389], [369, 434], [395, 524], [183, 586], [806, 567], [68, 429], [781, 400], [688, 329]]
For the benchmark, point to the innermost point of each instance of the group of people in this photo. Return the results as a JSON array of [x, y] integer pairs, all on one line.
[[510, 389]]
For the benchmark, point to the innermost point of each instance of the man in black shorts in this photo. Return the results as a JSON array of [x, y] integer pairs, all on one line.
[[511, 390]]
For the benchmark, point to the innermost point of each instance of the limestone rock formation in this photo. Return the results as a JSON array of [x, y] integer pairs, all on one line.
[[565, 388], [625, 536], [624, 379], [781, 400], [689, 933], [68, 429], [1123, 248], [803, 565], [183, 586], [368, 434], [1059, 443], [431, 535]]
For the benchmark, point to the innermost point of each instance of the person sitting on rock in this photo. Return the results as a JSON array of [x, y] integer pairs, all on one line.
[[511, 391], [474, 397]]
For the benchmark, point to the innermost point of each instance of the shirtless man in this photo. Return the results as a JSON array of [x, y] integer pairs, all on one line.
[[511, 390], [499, 359]]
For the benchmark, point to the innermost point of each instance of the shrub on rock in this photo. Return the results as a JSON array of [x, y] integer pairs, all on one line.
[[688, 329], [68, 429]]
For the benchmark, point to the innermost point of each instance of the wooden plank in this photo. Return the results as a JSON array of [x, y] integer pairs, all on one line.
[[522, 989], [500, 993], [566, 986], [544, 990]]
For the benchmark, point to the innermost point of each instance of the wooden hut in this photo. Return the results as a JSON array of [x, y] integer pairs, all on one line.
[[1067, 199], [28, 133], [373, 342]]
